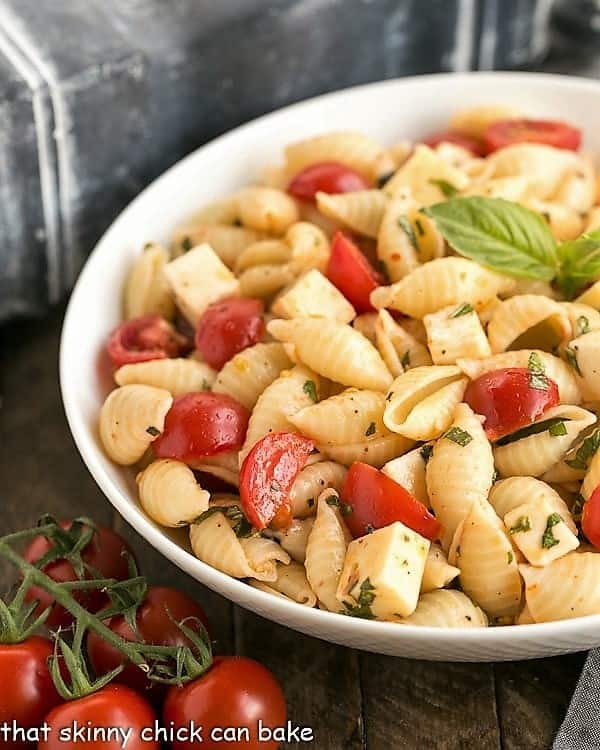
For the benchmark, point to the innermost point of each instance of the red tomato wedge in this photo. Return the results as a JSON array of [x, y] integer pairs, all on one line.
[[227, 327], [548, 132], [474, 145], [350, 271], [590, 519], [326, 177], [510, 399], [267, 475], [143, 339], [202, 424], [377, 501]]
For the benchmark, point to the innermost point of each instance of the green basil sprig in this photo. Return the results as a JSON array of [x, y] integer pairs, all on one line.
[[509, 238]]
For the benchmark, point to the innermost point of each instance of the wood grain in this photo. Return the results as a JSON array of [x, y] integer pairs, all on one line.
[[353, 701]]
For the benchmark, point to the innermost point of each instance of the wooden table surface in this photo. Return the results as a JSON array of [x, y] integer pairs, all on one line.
[[351, 699]]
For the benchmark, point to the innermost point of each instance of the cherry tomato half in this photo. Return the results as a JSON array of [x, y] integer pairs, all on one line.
[[350, 271], [156, 622], [550, 133], [143, 339], [510, 400], [377, 501], [107, 553], [116, 707], [227, 327], [202, 424], [474, 145], [267, 475], [326, 177], [590, 518], [235, 692], [27, 692]]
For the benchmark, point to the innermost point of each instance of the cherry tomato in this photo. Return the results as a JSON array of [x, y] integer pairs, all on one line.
[[27, 692], [227, 327], [113, 707], [509, 400], [550, 133], [350, 271], [145, 338], [235, 692], [267, 475], [590, 518], [326, 177], [156, 621], [474, 145], [377, 501], [107, 554], [202, 424]]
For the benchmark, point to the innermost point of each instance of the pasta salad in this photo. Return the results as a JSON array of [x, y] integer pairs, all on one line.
[[369, 383]]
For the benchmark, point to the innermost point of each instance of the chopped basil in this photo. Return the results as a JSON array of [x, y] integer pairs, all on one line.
[[371, 429], [419, 226], [537, 377], [345, 508], [186, 244], [405, 361], [446, 187], [148, 245], [240, 524], [369, 528], [584, 453], [509, 557], [523, 524], [389, 396], [532, 429], [548, 538], [408, 230], [310, 389], [558, 430], [463, 309], [571, 357], [426, 451], [577, 508], [366, 597], [154, 431], [582, 326], [205, 385], [458, 435]]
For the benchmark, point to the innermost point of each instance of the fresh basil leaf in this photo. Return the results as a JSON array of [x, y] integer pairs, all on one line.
[[550, 425], [446, 187], [579, 262], [498, 234]]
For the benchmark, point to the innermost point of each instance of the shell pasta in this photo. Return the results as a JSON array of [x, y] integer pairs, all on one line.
[[388, 356]]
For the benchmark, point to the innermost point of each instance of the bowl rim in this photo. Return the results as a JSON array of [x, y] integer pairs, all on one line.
[[236, 590]]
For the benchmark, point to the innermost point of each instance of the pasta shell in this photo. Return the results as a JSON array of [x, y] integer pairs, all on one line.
[[309, 247], [441, 283], [373, 452], [214, 542], [170, 494], [178, 376], [334, 350], [349, 417], [311, 482], [569, 587], [355, 150], [249, 373], [528, 321], [446, 609], [420, 402], [262, 253], [222, 465], [266, 209], [291, 581], [265, 281], [399, 349], [592, 477], [474, 121], [228, 242], [147, 289], [585, 352], [422, 174], [556, 369], [565, 223], [130, 419], [263, 556], [361, 211], [582, 317], [397, 244], [508, 494], [536, 454], [489, 574], [438, 572], [325, 552], [459, 475], [295, 538]]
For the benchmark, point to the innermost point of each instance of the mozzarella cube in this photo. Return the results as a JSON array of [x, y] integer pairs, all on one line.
[[198, 279], [539, 532], [313, 295], [438, 572], [382, 573], [408, 471], [455, 332]]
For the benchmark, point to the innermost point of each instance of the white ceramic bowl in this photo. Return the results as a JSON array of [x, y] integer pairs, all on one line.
[[392, 110]]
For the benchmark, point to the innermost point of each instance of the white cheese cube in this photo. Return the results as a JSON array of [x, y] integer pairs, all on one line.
[[438, 572], [455, 332], [382, 573], [539, 532], [313, 295], [198, 279], [408, 471]]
